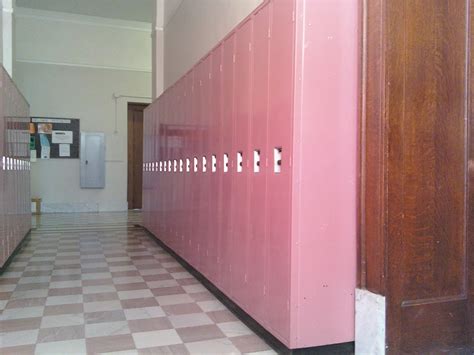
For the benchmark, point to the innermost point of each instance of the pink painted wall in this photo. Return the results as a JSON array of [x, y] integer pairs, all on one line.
[[280, 243], [15, 201]]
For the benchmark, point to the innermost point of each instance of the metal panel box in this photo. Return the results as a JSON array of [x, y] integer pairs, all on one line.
[[92, 160]]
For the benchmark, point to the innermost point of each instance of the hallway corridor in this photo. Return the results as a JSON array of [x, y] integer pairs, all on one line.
[[96, 283]]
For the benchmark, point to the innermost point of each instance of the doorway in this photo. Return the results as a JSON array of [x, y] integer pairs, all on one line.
[[135, 155]]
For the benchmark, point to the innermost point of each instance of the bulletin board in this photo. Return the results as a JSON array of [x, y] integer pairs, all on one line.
[[54, 138]]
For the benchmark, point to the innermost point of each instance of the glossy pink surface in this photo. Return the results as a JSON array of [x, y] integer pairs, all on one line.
[[15, 201], [278, 239]]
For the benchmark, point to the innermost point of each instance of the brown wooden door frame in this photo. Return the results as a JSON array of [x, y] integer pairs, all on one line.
[[417, 175], [135, 154]]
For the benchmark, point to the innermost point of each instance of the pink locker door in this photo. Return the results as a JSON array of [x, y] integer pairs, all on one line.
[[160, 187], [225, 246], [156, 211], [151, 198], [160, 202], [150, 185], [166, 156], [169, 176], [200, 194], [10, 186], [257, 228], [241, 169], [184, 201], [187, 165], [145, 175], [195, 167], [173, 174], [148, 194], [2, 185], [146, 159], [179, 173], [147, 189], [205, 165], [216, 153], [279, 177], [154, 178]]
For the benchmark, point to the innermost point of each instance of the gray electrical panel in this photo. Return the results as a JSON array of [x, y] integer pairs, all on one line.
[[92, 160]]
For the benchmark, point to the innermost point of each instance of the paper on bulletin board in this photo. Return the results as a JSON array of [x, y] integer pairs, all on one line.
[[45, 147], [62, 137], [33, 156], [45, 152], [45, 128], [64, 150]]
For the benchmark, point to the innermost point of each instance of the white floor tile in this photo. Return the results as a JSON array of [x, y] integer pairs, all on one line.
[[190, 320], [156, 338], [69, 347]]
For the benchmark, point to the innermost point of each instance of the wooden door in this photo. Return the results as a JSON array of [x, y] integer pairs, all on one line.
[[417, 192], [135, 155]]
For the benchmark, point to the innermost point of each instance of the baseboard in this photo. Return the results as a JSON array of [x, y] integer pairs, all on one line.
[[370, 323], [277, 345]]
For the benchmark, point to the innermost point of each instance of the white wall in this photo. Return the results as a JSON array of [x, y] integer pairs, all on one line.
[[70, 66], [195, 28], [7, 35]]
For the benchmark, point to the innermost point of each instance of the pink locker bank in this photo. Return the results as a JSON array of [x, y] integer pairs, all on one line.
[[15, 203], [250, 168]]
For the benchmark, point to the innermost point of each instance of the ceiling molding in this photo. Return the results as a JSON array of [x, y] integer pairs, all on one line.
[[23, 12], [91, 66]]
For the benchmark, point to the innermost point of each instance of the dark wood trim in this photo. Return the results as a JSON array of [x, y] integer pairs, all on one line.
[[135, 112], [470, 171], [373, 151], [417, 199]]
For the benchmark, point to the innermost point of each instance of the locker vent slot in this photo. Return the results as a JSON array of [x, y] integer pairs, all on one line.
[[161, 166], [277, 159], [181, 165], [204, 164], [214, 163], [175, 165], [188, 165], [256, 161], [226, 163], [240, 162], [196, 163]]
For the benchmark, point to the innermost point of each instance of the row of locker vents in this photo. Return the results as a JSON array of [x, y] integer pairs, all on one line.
[[176, 165], [15, 164]]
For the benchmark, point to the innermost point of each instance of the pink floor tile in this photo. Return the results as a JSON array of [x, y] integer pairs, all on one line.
[[112, 290]]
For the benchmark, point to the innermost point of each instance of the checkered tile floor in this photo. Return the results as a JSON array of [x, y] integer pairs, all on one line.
[[96, 284]]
